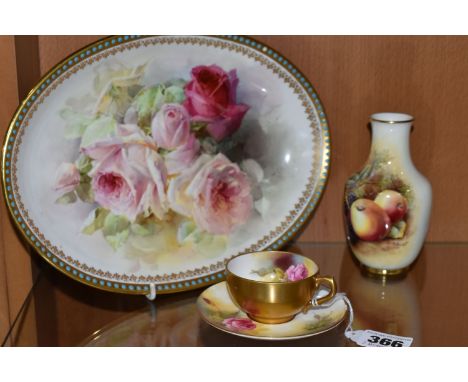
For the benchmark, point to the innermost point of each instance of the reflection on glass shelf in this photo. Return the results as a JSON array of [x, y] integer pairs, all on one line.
[[62, 312], [388, 305], [172, 326]]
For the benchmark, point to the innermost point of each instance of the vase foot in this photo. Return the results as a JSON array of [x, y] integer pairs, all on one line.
[[384, 272]]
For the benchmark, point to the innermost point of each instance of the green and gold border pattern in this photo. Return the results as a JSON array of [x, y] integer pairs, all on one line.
[[167, 283]]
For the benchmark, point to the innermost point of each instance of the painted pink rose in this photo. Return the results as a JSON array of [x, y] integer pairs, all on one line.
[[221, 196], [183, 157], [171, 126], [296, 272], [125, 135], [128, 175], [231, 120], [239, 323], [67, 178], [211, 97]]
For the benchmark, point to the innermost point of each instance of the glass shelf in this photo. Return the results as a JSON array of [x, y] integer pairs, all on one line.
[[428, 304]]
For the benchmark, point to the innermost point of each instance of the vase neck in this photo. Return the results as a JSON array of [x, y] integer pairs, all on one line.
[[393, 139]]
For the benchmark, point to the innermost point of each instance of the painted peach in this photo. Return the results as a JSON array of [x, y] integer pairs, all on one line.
[[369, 220], [393, 203]]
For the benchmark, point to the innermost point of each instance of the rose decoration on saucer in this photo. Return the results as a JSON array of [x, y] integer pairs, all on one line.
[[151, 161], [241, 323]]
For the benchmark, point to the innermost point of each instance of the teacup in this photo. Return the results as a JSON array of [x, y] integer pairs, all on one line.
[[273, 286]]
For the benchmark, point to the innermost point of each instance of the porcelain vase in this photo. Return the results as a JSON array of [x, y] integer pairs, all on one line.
[[387, 204]]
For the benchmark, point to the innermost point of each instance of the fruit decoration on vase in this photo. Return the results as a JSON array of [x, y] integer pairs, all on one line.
[[387, 204]]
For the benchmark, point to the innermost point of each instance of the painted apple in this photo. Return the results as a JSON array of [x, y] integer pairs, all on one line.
[[393, 203], [369, 220]]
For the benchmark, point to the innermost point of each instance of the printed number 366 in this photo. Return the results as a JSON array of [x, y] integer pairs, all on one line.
[[384, 341]]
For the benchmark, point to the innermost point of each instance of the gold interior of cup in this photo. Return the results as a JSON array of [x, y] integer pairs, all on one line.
[[271, 302]]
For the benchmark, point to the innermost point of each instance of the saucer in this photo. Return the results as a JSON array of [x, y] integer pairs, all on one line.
[[217, 309]]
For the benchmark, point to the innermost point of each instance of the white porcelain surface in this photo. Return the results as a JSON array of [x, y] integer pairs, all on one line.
[[276, 131]]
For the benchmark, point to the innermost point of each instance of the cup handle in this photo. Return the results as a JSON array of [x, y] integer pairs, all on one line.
[[330, 282]]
